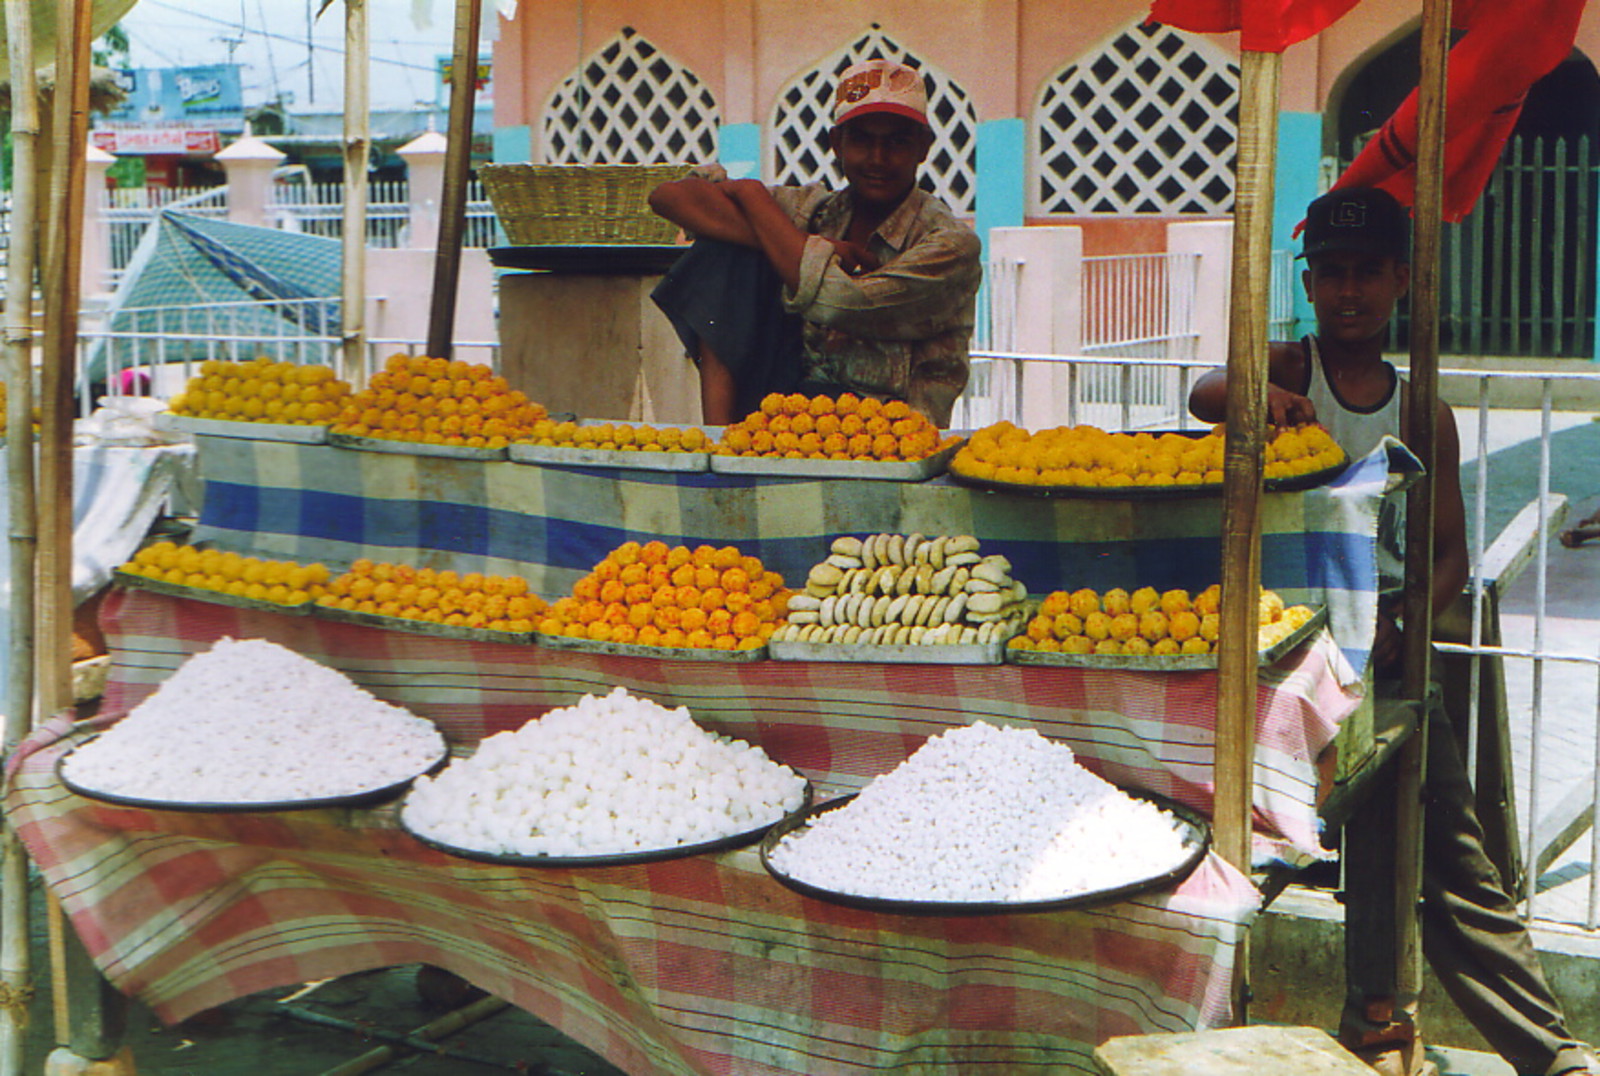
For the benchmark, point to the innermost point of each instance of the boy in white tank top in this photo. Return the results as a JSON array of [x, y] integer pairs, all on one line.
[[1357, 252]]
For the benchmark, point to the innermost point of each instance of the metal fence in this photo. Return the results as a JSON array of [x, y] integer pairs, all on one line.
[[1519, 272], [314, 208], [318, 208], [167, 344]]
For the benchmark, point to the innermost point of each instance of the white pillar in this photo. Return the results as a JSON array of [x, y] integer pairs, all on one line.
[[1213, 241], [424, 156], [96, 228], [1048, 277], [249, 163]]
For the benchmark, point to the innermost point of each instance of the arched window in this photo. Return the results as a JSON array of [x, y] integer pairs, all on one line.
[[1145, 125], [630, 104], [800, 123]]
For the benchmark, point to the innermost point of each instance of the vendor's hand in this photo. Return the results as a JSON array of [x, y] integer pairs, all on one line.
[[854, 258], [1388, 645], [1285, 408]]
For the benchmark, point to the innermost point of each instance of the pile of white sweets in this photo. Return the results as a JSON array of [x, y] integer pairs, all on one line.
[[249, 721], [901, 590], [985, 814], [605, 776]]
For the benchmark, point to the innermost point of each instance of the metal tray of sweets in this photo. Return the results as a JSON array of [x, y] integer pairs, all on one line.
[[419, 627], [1170, 662], [1291, 484], [636, 459], [413, 448], [1197, 842], [889, 471], [634, 650], [291, 432], [890, 654], [205, 594], [613, 859], [365, 797]]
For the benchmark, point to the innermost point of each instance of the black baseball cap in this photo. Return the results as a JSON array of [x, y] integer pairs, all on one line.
[[1362, 219]]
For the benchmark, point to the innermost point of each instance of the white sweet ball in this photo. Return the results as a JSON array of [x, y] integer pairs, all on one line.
[[604, 776], [985, 813], [249, 721]]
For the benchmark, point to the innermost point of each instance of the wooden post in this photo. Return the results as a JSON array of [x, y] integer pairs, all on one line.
[[22, 256], [357, 149], [1243, 459], [61, 287], [457, 164], [1420, 437]]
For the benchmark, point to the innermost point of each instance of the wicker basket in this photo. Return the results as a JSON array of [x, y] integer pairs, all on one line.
[[545, 204]]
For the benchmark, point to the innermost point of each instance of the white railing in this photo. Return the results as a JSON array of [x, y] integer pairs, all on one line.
[[166, 344], [318, 208]]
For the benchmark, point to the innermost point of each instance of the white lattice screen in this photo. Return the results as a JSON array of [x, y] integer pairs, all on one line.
[[800, 122], [1147, 125], [630, 104]]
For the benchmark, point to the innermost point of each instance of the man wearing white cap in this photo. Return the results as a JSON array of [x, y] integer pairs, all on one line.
[[869, 290]]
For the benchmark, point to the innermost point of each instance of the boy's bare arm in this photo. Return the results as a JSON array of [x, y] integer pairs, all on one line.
[[1208, 399]]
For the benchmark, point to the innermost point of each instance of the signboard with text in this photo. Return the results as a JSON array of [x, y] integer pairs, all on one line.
[[156, 140], [208, 97]]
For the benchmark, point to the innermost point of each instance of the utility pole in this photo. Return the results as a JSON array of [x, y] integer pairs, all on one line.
[[311, 55]]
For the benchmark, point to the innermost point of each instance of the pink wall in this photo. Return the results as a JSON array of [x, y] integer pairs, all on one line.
[[1000, 51], [746, 51]]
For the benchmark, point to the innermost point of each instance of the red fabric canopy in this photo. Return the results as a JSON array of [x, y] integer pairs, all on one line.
[[1263, 25], [1508, 46]]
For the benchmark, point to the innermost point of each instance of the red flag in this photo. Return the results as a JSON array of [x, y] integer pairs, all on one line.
[[1508, 46], [1263, 25]]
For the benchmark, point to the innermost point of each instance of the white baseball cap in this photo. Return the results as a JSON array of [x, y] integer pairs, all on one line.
[[880, 86]]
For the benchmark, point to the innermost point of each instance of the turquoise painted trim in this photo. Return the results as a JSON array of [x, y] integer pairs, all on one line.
[[1002, 175], [739, 150], [513, 145], [1299, 162]]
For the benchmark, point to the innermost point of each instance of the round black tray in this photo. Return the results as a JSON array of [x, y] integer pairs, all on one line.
[[615, 859], [622, 258], [365, 798], [1199, 838], [1148, 493]]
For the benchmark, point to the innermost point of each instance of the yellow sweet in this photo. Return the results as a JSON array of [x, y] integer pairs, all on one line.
[[281, 582], [1091, 457], [261, 390], [1151, 623]]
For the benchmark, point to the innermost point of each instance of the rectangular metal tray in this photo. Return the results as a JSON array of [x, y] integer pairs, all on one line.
[[295, 433], [419, 627], [1172, 663], [203, 594], [902, 654], [897, 471], [634, 650], [565, 456], [414, 448]]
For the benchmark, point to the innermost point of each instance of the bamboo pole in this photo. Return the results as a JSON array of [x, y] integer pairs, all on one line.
[[1243, 456], [16, 986], [457, 163], [357, 150], [1420, 437], [423, 1039], [63, 264]]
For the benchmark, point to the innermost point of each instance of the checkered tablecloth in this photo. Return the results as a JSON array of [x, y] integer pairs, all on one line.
[[703, 965], [552, 524]]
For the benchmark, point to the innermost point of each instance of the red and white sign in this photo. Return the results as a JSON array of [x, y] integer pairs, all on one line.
[[136, 140]]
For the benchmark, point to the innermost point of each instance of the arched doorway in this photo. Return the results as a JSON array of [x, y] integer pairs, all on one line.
[[1518, 274]]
